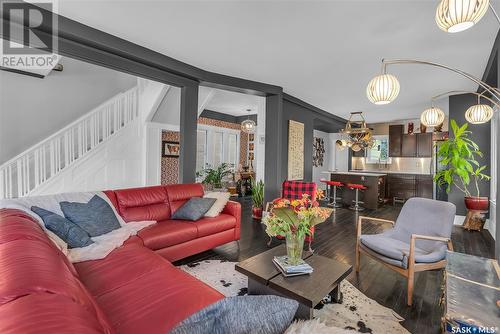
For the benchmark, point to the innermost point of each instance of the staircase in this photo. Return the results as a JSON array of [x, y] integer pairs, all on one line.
[[41, 163]]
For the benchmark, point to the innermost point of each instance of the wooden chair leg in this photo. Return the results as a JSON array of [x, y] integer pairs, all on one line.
[[411, 280]]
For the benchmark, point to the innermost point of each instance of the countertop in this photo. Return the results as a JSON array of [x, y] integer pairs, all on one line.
[[390, 172], [361, 173]]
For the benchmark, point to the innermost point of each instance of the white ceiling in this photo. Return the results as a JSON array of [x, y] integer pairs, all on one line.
[[232, 103], [323, 52]]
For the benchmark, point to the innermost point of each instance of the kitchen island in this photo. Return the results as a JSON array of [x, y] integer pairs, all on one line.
[[373, 181]]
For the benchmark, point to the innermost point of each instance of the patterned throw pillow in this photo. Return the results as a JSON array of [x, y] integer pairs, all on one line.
[[71, 233], [221, 200], [240, 315], [96, 217], [194, 209]]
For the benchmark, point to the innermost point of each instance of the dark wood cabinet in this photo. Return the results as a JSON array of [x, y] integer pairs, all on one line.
[[425, 186], [395, 136], [405, 186], [424, 145], [409, 146]]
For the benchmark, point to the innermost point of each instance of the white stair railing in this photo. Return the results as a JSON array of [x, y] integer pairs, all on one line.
[[35, 166]]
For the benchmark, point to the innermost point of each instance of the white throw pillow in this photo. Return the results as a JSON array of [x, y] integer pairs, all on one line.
[[220, 203]]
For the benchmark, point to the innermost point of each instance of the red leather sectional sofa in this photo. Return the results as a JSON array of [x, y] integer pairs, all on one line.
[[135, 289]]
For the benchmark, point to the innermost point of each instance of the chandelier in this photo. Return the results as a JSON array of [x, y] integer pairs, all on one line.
[[459, 15], [248, 125], [357, 134]]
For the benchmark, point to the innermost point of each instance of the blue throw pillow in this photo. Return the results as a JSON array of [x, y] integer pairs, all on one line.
[[96, 217], [71, 233], [240, 315], [194, 209]]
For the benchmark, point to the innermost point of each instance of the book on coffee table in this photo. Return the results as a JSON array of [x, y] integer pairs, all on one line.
[[287, 269]]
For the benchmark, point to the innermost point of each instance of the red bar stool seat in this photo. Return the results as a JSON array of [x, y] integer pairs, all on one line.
[[356, 205], [333, 201]]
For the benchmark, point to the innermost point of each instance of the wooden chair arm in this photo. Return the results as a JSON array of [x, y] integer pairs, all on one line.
[[363, 218], [428, 237], [414, 237]]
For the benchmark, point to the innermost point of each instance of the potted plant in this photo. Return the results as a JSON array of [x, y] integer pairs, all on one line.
[[213, 177], [257, 198], [459, 154], [294, 220]]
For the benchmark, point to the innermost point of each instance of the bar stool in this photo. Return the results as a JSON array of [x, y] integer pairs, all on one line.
[[357, 202], [332, 201]]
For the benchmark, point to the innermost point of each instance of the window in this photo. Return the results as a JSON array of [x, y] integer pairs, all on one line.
[[201, 150], [379, 151], [216, 145]]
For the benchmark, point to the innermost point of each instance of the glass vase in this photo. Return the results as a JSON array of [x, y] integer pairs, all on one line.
[[294, 247]]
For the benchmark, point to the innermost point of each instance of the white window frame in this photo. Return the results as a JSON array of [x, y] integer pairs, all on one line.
[[210, 130]]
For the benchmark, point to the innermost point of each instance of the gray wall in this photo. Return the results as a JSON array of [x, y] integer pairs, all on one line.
[[32, 109], [292, 111], [481, 134]]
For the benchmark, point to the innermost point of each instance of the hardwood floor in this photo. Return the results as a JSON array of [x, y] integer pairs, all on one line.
[[336, 239]]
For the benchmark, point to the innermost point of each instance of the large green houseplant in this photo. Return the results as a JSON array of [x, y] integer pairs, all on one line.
[[460, 154], [214, 176]]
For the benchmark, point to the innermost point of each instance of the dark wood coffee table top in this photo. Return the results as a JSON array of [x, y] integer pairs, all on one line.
[[260, 267], [307, 289]]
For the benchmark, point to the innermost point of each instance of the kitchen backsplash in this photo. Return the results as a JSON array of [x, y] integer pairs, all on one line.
[[403, 165]]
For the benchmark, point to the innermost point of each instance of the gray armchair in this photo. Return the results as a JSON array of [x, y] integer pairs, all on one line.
[[417, 242]]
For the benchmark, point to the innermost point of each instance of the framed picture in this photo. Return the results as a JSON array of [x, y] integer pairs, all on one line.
[[251, 137], [170, 149], [250, 146]]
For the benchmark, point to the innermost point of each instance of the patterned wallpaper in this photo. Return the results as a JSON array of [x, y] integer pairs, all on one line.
[[170, 166]]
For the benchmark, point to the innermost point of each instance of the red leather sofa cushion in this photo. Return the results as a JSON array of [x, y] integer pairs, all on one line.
[[138, 204], [48, 313], [178, 194], [208, 226], [32, 265], [168, 233], [151, 298]]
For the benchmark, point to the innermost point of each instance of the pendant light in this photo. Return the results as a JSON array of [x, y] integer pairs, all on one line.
[[248, 125], [459, 15], [383, 89], [479, 113], [432, 117]]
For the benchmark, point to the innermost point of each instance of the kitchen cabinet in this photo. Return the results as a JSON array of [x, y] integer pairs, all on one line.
[[424, 145], [395, 137], [409, 146], [405, 186], [424, 185]]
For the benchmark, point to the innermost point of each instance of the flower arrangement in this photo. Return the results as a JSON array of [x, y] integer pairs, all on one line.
[[294, 219]]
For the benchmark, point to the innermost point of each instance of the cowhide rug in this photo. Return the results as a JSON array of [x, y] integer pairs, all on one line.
[[357, 313]]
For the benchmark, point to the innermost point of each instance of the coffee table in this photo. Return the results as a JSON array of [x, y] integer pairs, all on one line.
[[265, 279]]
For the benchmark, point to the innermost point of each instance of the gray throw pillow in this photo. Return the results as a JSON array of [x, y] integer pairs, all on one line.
[[71, 233], [96, 217], [194, 209], [240, 315]]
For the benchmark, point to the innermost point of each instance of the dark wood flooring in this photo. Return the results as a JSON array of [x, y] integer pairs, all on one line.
[[336, 239]]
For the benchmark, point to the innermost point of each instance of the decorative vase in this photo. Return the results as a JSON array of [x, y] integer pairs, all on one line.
[[256, 212], [423, 128], [294, 248], [476, 203], [410, 128]]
